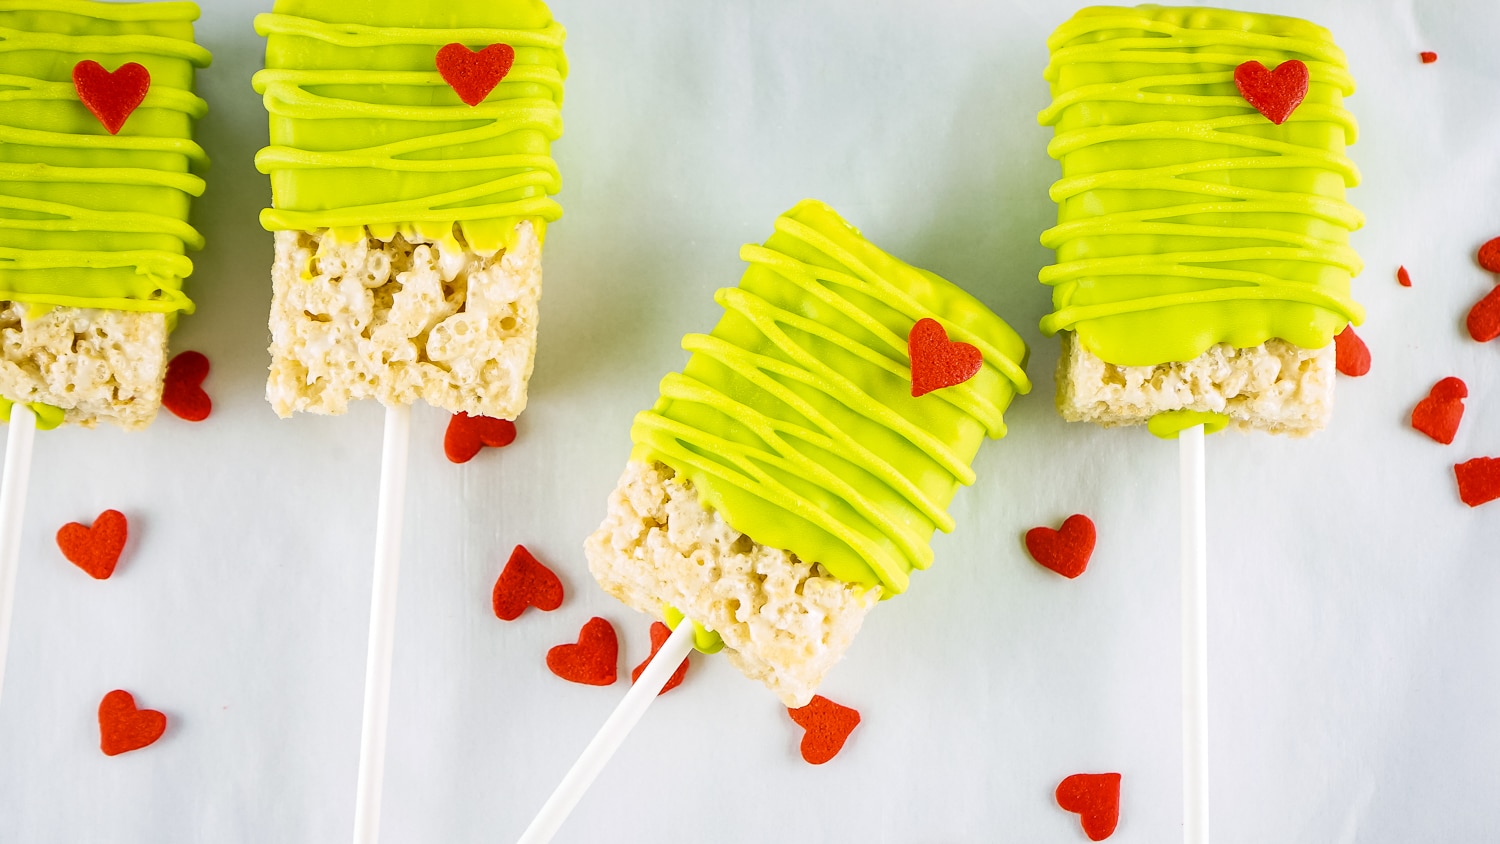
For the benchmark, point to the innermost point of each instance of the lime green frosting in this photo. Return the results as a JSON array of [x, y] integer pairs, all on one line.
[[89, 219], [1169, 424], [365, 131], [47, 416], [704, 640], [1185, 217], [794, 418]]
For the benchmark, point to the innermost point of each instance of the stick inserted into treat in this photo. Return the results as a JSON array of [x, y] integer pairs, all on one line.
[[18, 447], [609, 738], [1194, 492]]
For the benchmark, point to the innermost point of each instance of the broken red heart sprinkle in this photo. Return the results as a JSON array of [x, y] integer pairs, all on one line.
[[1064, 551], [1095, 798], [1484, 317], [182, 390], [593, 661], [937, 362], [474, 75], [1403, 277], [1273, 93], [112, 97], [1428, 57], [523, 583], [1489, 255], [1439, 413], [1478, 480], [827, 725], [123, 727], [466, 435], [659, 635], [1351, 355], [95, 548]]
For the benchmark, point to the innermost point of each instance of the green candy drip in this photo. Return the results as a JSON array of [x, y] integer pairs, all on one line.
[[89, 219], [1185, 217], [366, 132], [794, 418]]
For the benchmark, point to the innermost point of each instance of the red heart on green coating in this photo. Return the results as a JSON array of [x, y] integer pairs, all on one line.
[[474, 75], [112, 97], [1274, 93]]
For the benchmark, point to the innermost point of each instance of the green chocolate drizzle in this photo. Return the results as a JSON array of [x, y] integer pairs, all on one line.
[[89, 219], [365, 131], [794, 418], [1185, 217]]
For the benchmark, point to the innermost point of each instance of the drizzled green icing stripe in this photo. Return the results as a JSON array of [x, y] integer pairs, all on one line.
[[1185, 217], [794, 418], [366, 132], [88, 219]]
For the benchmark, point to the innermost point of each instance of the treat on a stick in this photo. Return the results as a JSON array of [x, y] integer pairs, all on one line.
[[1203, 259], [794, 472], [412, 175], [98, 174]]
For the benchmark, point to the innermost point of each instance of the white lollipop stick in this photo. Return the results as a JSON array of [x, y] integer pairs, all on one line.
[[610, 736], [1194, 638], [12, 507], [382, 624]]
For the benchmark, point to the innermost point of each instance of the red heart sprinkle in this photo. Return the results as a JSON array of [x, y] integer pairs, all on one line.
[[1489, 255], [112, 97], [937, 362], [659, 635], [1095, 798], [593, 660], [1438, 415], [1484, 317], [95, 549], [123, 728], [1478, 480], [467, 434], [182, 391], [827, 725], [474, 75], [523, 583], [1065, 551], [1428, 57], [1274, 93], [1351, 355], [1403, 277]]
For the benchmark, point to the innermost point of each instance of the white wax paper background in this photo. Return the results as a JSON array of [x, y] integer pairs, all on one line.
[[1355, 664]]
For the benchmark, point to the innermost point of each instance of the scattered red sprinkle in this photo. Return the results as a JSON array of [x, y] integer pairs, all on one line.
[[659, 635], [1403, 277], [1066, 551], [95, 549], [1351, 355], [523, 583], [182, 391], [1095, 798], [1438, 415], [123, 727], [827, 725], [1489, 255], [593, 660], [1274, 93], [467, 434], [1484, 317], [112, 97], [474, 75], [1428, 57], [937, 362], [1478, 480]]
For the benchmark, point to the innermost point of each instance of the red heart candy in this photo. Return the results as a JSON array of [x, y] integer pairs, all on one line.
[[95, 549], [1274, 93], [937, 362], [523, 583], [1489, 255], [1351, 355], [1438, 415], [1095, 798], [1484, 318], [593, 660], [1427, 56], [474, 75], [182, 391], [123, 728], [112, 97], [467, 434], [1478, 480], [1065, 551], [827, 726], [659, 635], [1403, 277]]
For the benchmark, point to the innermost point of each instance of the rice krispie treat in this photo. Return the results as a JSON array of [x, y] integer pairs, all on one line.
[[1203, 259], [793, 473]]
